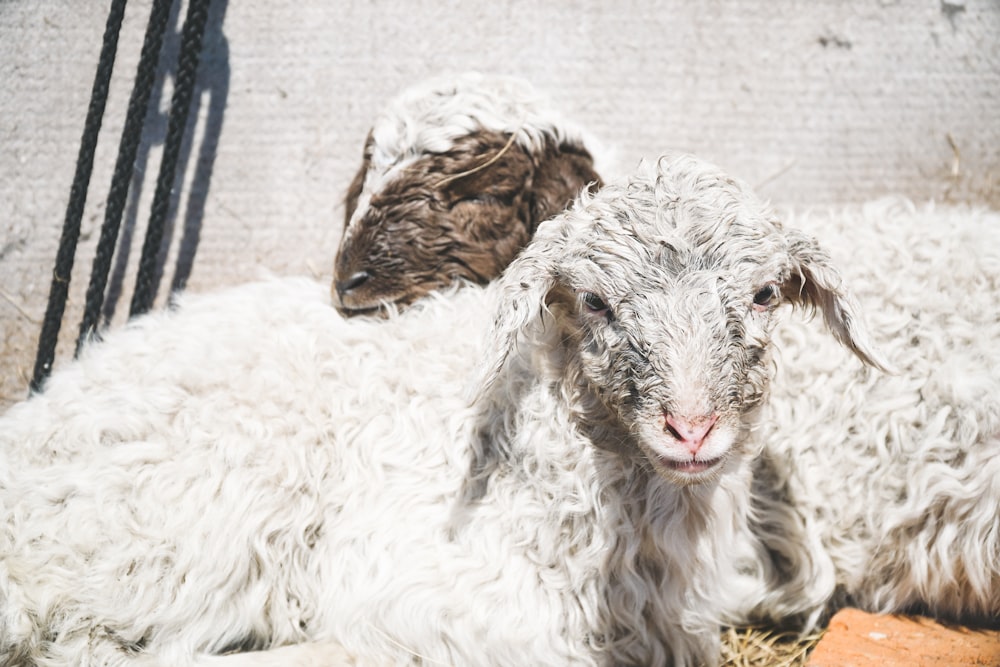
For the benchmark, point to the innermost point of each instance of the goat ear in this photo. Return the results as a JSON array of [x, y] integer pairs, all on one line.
[[519, 300], [354, 189], [817, 285], [562, 172]]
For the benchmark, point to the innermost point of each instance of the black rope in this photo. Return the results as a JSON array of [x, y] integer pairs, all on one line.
[[180, 108], [63, 270], [124, 165]]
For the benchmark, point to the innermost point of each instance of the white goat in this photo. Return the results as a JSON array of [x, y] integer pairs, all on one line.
[[255, 472]]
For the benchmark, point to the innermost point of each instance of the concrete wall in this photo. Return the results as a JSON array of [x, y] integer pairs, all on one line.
[[815, 101]]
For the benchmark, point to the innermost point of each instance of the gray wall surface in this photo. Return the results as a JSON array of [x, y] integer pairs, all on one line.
[[815, 102]]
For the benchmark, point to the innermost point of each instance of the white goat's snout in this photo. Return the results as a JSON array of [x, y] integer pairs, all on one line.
[[690, 428], [689, 450], [689, 432]]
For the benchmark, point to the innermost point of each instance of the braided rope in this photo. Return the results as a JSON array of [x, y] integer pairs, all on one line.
[[180, 108], [124, 166], [61, 274]]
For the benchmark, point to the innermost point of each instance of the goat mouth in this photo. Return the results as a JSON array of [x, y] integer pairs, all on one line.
[[380, 308], [692, 467], [364, 310], [377, 306]]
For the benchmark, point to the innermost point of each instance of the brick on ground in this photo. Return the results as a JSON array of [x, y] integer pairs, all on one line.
[[859, 639]]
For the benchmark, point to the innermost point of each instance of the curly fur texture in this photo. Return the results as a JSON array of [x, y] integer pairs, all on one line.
[[899, 475], [457, 173], [253, 471]]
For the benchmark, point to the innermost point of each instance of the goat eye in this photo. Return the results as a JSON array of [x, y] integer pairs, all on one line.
[[765, 297], [478, 198], [594, 303]]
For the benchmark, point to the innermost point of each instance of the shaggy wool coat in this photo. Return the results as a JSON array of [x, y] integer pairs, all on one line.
[[252, 471]]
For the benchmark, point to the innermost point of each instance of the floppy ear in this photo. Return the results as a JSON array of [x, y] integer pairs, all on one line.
[[817, 285], [353, 193], [354, 189], [562, 172], [519, 300]]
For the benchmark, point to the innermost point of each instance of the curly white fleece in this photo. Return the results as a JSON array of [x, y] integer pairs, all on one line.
[[252, 471]]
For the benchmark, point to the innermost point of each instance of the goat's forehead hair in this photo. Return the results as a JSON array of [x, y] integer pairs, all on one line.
[[428, 117], [678, 201], [675, 212]]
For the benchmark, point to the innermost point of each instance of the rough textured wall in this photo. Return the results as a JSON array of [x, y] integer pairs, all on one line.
[[814, 101]]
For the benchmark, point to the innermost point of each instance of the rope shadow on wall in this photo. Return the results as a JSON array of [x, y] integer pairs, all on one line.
[[179, 57]]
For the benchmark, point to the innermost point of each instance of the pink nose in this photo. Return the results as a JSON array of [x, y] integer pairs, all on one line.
[[689, 432]]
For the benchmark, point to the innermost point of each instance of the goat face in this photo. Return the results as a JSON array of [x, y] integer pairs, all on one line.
[[663, 291], [459, 214]]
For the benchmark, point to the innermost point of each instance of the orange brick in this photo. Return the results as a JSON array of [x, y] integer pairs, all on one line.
[[858, 639]]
